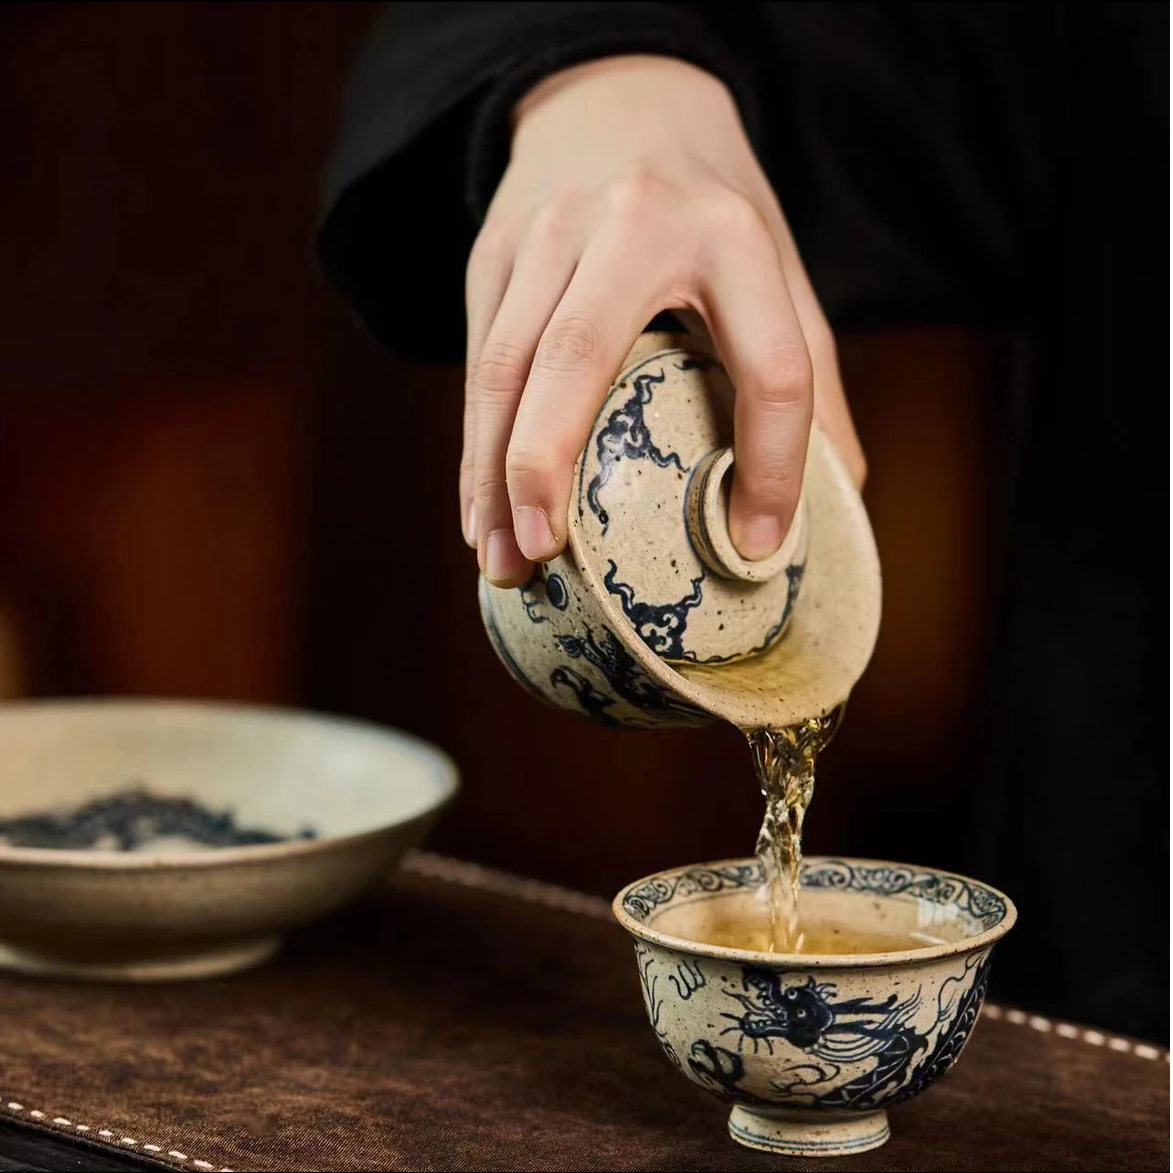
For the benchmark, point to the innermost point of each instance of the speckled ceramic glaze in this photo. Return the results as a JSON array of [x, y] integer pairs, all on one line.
[[650, 617], [812, 1050], [362, 794]]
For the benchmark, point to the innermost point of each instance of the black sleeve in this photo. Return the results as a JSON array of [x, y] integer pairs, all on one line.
[[424, 139], [908, 144]]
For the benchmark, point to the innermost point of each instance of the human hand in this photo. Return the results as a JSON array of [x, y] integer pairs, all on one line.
[[633, 189]]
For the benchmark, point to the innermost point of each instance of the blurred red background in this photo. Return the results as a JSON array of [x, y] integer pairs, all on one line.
[[212, 484]]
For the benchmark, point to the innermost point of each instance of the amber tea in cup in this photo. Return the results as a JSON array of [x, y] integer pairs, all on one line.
[[753, 933]]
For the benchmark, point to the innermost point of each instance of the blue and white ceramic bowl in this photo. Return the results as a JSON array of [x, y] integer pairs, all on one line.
[[650, 617], [812, 1049]]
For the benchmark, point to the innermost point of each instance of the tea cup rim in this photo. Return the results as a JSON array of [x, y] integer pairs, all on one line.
[[758, 958]]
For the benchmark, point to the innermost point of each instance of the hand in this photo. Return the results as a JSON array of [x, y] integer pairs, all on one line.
[[633, 189]]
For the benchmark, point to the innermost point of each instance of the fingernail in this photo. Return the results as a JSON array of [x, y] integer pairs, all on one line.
[[535, 538], [470, 524], [758, 537], [499, 555]]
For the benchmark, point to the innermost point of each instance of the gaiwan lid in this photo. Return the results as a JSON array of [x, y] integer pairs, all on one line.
[[758, 643]]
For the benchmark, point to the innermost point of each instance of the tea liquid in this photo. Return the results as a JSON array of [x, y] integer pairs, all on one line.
[[756, 934], [785, 763]]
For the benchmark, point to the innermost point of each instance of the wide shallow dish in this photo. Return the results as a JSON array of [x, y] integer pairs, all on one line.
[[347, 800], [812, 1049]]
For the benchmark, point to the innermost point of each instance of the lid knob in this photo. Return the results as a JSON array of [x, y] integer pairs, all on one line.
[[707, 516]]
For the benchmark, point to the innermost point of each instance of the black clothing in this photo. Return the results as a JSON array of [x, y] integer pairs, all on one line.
[[999, 165]]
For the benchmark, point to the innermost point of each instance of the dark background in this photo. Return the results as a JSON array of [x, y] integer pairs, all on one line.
[[212, 484]]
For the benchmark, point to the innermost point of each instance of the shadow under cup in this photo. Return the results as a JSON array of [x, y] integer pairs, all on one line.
[[812, 1048]]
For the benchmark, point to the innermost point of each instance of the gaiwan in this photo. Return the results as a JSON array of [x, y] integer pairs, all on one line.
[[650, 617]]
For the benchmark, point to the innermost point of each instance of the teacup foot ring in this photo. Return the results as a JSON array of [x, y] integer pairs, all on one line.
[[794, 1136]]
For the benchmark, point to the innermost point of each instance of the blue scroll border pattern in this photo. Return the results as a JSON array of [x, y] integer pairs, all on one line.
[[984, 905]]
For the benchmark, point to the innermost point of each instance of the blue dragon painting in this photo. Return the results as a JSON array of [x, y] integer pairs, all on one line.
[[837, 1033], [660, 625], [626, 435], [624, 675]]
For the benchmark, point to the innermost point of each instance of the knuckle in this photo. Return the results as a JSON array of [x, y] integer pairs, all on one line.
[[531, 464], [500, 370], [775, 478], [786, 373], [487, 483], [557, 218], [568, 344], [637, 194], [731, 214], [773, 484]]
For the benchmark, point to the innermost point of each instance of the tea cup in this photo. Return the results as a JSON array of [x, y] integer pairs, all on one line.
[[812, 1049]]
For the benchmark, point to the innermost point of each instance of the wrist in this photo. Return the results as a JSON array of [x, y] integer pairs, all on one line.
[[629, 89]]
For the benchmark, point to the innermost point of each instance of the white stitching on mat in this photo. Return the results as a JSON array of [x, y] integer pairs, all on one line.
[[16, 1109], [1066, 1030], [472, 875]]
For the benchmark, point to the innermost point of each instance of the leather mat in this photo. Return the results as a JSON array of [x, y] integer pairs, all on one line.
[[460, 1020]]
